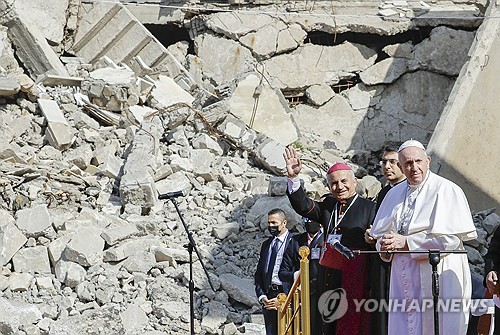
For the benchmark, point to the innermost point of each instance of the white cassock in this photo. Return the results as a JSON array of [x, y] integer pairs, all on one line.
[[436, 216]]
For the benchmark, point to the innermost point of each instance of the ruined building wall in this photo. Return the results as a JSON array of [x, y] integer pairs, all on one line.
[[465, 143], [354, 80]]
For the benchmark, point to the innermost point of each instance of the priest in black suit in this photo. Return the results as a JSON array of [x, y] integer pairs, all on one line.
[[267, 282], [290, 266], [344, 216]]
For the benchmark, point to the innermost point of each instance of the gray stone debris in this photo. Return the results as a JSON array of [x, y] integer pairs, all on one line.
[[58, 130], [89, 140]]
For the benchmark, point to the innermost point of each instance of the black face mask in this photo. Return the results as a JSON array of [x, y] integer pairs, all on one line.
[[274, 230], [312, 227]]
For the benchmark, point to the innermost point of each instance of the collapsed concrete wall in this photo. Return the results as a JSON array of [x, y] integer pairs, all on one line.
[[363, 95], [464, 145]]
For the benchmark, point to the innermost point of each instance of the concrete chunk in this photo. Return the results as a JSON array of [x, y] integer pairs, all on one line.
[[69, 273], [20, 282], [85, 247], [111, 167], [270, 117], [129, 248], [33, 50], [32, 260], [137, 184], [58, 130], [169, 254], [204, 141], [117, 234], [215, 317], [139, 262], [134, 318], [384, 72], [224, 230], [166, 92], [11, 238], [15, 315], [240, 289], [34, 221], [9, 86]]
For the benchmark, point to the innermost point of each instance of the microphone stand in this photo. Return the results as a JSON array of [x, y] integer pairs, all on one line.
[[190, 247], [434, 259]]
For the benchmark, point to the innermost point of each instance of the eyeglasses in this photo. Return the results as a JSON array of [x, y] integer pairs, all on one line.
[[391, 161]]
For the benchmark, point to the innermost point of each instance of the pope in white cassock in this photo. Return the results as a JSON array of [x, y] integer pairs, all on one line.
[[425, 212]]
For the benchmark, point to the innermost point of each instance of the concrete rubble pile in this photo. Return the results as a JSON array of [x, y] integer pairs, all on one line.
[[87, 147]]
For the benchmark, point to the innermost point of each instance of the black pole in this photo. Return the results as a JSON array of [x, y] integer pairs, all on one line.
[[190, 247], [434, 259]]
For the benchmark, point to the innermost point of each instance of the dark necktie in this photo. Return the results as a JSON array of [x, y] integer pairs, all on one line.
[[272, 259]]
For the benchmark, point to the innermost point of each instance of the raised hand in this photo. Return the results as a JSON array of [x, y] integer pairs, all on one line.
[[292, 161]]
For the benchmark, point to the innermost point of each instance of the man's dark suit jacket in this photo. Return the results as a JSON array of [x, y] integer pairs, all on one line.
[[260, 272], [352, 227], [291, 260], [492, 263]]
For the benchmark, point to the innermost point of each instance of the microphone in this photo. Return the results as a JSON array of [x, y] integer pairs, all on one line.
[[170, 195], [346, 252]]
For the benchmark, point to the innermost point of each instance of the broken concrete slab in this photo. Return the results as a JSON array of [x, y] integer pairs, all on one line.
[[240, 289], [315, 64], [11, 238], [7, 59], [236, 58], [273, 38], [175, 182], [58, 130], [9, 86], [342, 133], [32, 260], [34, 222], [384, 72], [319, 94], [236, 130], [111, 166], [112, 88], [130, 247], [86, 247], [69, 273], [51, 80], [444, 52], [235, 25], [204, 141], [270, 155], [215, 316], [114, 235], [20, 282], [137, 184], [166, 93], [409, 116], [400, 50], [360, 97], [263, 109], [50, 19], [33, 50], [138, 113]]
